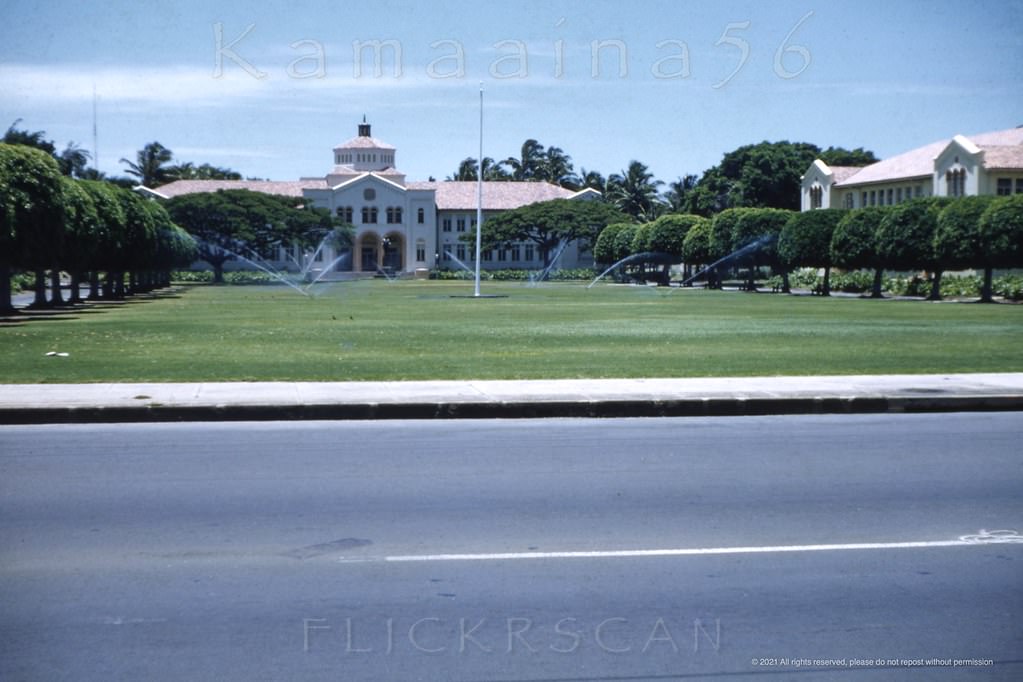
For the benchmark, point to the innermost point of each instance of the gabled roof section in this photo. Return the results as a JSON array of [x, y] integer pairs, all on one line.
[[285, 188], [497, 196], [382, 177], [919, 162]]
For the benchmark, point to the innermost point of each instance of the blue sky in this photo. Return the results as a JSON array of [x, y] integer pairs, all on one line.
[[699, 79]]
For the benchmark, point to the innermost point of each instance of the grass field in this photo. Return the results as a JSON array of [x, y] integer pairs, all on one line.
[[375, 330]]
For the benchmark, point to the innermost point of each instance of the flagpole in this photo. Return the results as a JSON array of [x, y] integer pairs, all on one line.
[[479, 198]]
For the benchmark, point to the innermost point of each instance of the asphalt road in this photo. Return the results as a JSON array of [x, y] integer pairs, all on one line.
[[770, 547]]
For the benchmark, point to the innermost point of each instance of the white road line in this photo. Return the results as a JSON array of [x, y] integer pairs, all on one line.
[[982, 538]]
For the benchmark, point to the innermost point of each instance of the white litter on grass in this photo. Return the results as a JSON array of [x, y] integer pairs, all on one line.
[[54, 353]]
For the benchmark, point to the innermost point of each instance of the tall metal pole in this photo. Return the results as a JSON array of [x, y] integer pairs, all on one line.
[[479, 198]]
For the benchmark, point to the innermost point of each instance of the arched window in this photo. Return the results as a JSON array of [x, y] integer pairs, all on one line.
[[369, 215], [816, 196], [421, 216]]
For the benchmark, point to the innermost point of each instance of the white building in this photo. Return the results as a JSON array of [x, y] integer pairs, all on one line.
[[988, 163], [402, 226]]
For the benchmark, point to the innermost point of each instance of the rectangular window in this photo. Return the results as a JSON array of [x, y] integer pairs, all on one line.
[[1004, 187], [873, 197], [447, 224], [488, 256], [516, 253], [1019, 185], [421, 216], [849, 198], [502, 254], [890, 194], [529, 253], [919, 190], [863, 199], [461, 224], [460, 251], [898, 195], [420, 252]]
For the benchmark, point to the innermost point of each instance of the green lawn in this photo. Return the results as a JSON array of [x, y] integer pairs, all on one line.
[[376, 330]]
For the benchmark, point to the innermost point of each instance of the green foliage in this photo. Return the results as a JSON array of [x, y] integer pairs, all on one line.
[[31, 205], [957, 236], [854, 241], [696, 246], [668, 233], [837, 156], [1001, 232], [641, 239], [1011, 287], [550, 223], [905, 237], [604, 250], [722, 229], [806, 239], [623, 241], [22, 281]]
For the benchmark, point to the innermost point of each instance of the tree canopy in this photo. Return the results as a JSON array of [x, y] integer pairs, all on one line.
[[806, 241], [550, 224], [228, 224]]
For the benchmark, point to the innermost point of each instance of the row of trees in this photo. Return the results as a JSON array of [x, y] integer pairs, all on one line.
[[763, 175], [929, 234], [54, 223]]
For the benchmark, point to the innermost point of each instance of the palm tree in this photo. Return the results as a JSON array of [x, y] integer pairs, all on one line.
[[150, 165], [634, 191], [528, 165], [556, 168], [72, 160], [24, 137], [593, 180], [468, 170], [675, 197]]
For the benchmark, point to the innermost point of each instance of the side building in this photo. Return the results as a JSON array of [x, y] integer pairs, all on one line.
[[988, 163], [400, 226]]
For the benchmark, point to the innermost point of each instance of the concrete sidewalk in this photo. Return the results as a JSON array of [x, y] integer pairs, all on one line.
[[138, 402]]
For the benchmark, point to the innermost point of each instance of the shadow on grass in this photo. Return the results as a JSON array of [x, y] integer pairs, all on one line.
[[70, 311]]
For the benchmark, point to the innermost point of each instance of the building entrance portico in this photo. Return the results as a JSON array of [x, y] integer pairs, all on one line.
[[381, 254]]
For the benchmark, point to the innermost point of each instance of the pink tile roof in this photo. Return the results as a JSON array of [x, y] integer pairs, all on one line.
[[364, 142], [840, 173], [497, 196], [1003, 156], [919, 162], [286, 188]]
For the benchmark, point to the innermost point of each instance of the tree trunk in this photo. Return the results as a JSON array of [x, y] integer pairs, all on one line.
[[826, 287], [56, 297], [118, 285], [986, 293], [876, 290], [108, 285], [786, 286], [94, 289], [935, 287], [76, 283], [218, 273], [6, 306], [40, 290]]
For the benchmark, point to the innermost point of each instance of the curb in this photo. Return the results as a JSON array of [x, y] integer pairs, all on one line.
[[688, 407]]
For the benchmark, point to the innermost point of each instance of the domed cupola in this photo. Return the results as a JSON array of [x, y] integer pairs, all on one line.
[[365, 153]]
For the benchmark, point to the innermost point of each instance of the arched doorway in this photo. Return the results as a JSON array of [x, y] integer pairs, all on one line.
[[393, 255], [369, 252]]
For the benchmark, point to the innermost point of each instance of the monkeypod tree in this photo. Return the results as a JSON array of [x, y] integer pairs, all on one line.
[[550, 225], [905, 238], [109, 238], [957, 241], [756, 232], [805, 241], [604, 251], [720, 237], [1001, 236], [696, 247], [32, 215], [82, 229], [854, 243], [229, 224]]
